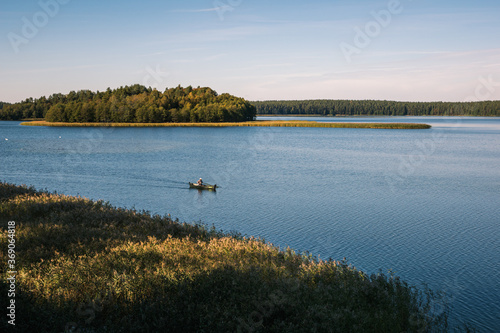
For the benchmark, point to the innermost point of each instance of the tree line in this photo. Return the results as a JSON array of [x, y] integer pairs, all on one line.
[[2, 104], [377, 108], [132, 104]]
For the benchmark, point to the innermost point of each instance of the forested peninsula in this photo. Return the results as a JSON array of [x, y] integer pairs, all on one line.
[[134, 104], [377, 108]]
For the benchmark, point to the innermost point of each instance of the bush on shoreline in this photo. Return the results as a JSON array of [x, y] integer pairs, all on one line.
[[86, 265]]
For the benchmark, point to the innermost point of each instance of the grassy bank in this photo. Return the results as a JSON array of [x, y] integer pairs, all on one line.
[[260, 123], [86, 265]]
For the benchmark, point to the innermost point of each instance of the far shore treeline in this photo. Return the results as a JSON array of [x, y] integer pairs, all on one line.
[[377, 108], [134, 104], [139, 104]]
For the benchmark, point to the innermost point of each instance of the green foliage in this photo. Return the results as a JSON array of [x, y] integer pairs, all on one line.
[[2, 104], [86, 266], [132, 104], [377, 108]]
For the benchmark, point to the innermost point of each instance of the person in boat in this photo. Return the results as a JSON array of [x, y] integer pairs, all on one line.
[[200, 182]]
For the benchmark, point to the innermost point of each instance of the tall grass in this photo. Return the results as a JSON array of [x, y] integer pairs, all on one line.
[[260, 123], [85, 265]]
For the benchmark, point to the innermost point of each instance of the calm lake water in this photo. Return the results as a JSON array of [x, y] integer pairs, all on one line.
[[423, 203]]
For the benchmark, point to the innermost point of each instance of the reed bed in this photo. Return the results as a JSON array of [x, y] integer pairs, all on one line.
[[259, 123], [87, 266]]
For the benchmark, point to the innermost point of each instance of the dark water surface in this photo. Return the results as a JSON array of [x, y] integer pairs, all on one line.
[[423, 203]]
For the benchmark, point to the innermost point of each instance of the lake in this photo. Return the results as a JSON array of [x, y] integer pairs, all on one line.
[[422, 203]]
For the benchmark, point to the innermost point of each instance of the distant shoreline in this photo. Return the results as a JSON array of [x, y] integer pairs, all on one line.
[[367, 116], [258, 123]]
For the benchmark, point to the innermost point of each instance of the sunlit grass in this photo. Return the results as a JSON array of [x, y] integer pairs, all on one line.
[[104, 269], [259, 123]]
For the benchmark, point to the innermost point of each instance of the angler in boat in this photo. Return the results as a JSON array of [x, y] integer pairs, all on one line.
[[201, 186]]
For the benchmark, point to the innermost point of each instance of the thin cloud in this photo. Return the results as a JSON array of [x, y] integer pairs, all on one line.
[[195, 10], [58, 69], [217, 35]]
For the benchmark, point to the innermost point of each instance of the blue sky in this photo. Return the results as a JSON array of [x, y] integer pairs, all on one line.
[[410, 50]]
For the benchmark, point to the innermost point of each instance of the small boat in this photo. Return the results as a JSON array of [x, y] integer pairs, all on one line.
[[203, 186]]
